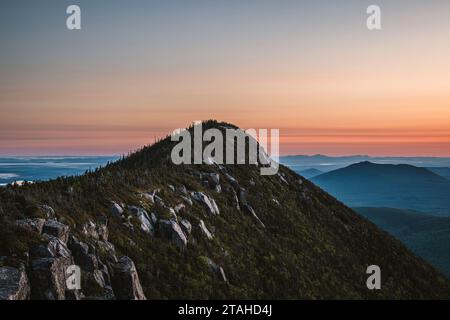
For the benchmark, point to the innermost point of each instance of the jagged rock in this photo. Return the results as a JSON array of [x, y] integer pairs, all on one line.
[[153, 198], [48, 211], [242, 197], [179, 208], [282, 177], [83, 258], [218, 270], [236, 200], [116, 209], [171, 230], [171, 187], [187, 200], [234, 183], [212, 178], [276, 201], [154, 218], [126, 284], [205, 230], [96, 231], [103, 232], [208, 203], [90, 229], [142, 215], [14, 284], [173, 215], [249, 210], [48, 278], [54, 248], [32, 225], [57, 229], [186, 226]]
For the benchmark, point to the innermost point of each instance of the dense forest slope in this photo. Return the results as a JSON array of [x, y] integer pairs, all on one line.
[[145, 228]]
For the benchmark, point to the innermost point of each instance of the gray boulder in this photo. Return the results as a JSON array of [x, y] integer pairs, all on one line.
[[217, 270], [207, 202], [32, 225], [144, 219], [125, 281], [186, 226], [53, 248], [116, 209], [14, 284], [171, 230], [48, 278], [82, 255], [56, 229], [249, 210], [204, 230]]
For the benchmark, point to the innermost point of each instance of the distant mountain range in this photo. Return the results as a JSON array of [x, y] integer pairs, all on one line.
[[328, 163], [426, 235], [367, 184]]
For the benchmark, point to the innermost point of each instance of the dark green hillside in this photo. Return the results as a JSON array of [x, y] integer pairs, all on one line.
[[426, 235], [275, 237]]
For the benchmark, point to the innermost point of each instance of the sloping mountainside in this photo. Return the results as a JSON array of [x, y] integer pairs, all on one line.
[[366, 184], [426, 235], [442, 171], [145, 228]]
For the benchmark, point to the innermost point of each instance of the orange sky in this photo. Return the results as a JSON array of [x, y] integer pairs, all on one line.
[[328, 84]]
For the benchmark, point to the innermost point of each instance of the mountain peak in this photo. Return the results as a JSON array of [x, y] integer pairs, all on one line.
[[160, 230]]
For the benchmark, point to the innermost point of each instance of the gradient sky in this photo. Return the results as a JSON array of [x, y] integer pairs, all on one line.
[[140, 69]]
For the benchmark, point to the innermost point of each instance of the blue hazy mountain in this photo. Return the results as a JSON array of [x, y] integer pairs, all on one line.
[[44, 168], [367, 184], [426, 235], [328, 163]]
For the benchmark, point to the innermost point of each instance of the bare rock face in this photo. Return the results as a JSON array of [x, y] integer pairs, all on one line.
[[82, 255], [48, 278], [204, 230], [186, 226], [54, 248], [56, 229], [32, 225], [125, 281], [217, 270], [48, 270], [171, 230], [144, 218], [116, 209], [208, 203], [14, 284]]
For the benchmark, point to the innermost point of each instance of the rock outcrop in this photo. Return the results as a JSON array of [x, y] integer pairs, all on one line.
[[207, 202], [32, 225], [125, 282], [14, 284], [56, 229], [171, 230]]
